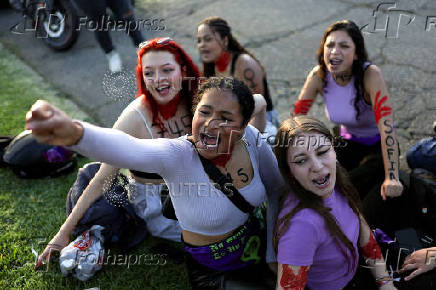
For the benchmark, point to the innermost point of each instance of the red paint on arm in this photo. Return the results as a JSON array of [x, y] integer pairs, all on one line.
[[292, 281], [381, 111], [302, 106], [371, 250]]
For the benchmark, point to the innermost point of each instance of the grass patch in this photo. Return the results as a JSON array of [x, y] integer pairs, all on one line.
[[31, 211]]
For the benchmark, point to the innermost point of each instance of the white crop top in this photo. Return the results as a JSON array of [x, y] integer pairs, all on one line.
[[199, 206]]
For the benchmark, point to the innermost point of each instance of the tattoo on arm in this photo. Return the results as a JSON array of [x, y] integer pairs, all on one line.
[[244, 175], [390, 143], [380, 110], [249, 76], [294, 281]]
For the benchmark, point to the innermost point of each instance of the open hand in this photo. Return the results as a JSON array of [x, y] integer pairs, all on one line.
[[56, 245], [421, 261], [52, 126]]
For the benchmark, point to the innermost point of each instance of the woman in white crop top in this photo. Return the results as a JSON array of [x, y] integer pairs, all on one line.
[[219, 238], [162, 109]]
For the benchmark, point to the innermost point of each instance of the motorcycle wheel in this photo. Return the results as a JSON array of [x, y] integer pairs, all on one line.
[[58, 27]]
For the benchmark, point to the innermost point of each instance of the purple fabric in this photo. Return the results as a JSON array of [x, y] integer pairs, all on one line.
[[57, 154], [235, 252], [363, 140], [307, 242], [382, 237], [339, 102]]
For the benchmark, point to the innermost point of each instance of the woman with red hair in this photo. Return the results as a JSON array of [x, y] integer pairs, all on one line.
[[166, 80]]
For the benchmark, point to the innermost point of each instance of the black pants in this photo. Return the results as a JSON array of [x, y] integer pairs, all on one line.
[[253, 277], [366, 171], [96, 11]]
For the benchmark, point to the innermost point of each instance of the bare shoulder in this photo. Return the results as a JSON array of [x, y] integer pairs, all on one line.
[[245, 61], [314, 73], [313, 80], [373, 77], [373, 72], [131, 122]]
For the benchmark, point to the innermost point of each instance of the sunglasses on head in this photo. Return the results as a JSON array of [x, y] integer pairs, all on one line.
[[154, 42]]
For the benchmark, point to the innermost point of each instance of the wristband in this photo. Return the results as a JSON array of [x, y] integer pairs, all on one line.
[[302, 106]]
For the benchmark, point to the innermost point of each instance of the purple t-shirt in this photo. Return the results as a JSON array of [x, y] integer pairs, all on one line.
[[339, 106], [308, 242]]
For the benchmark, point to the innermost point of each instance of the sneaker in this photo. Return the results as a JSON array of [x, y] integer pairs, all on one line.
[[114, 60]]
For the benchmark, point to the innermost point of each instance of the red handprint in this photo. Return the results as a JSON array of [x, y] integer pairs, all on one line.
[[291, 281], [381, 111]]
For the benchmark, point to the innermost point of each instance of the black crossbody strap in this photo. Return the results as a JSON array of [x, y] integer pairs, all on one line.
[[226, 186]]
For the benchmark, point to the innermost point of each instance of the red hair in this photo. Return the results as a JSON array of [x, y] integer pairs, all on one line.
[[189, 83]]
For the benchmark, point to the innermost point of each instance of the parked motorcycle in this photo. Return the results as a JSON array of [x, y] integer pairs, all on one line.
[[55, 22]]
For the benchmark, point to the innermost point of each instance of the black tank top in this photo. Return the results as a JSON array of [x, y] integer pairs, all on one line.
[[269, 105]]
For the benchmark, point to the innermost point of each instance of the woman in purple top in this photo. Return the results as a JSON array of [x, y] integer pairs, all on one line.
[[357, 99], [320, 228]]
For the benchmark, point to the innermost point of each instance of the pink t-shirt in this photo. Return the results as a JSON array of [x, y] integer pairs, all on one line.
[[308, 242]]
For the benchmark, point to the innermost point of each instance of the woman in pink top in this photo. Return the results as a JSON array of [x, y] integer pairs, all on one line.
[[320, 228], [357, 99]]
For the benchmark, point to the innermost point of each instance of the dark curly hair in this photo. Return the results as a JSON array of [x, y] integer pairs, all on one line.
[[362, 56], [220, 26], [236, 87], [287, 132]]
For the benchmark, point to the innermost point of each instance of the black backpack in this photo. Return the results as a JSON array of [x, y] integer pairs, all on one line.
[[30, 159], [423, 193], [423, 154], [123, 228]]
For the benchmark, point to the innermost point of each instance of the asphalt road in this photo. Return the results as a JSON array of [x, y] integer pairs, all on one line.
[[283, 34]]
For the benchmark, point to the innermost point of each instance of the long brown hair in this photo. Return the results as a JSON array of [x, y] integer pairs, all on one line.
[[362, 56], [189, 83], [287, 132], [220, 26]]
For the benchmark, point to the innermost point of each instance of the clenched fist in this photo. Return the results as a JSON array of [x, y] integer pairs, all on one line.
[[52, 126]]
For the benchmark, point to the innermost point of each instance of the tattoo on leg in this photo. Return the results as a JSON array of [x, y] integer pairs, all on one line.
[[381, 111], [249, 76], [290, 280]]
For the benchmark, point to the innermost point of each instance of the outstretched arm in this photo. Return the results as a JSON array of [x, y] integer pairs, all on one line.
[[376, 87], [310, 90], [107, 145], [127, 122], [92, 192]]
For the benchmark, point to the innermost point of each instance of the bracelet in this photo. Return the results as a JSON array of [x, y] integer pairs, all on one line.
[[383, 281]]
